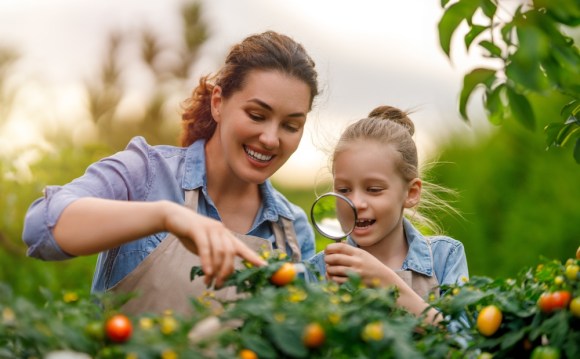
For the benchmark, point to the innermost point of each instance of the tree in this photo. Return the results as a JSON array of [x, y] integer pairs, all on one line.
[[536, 57]]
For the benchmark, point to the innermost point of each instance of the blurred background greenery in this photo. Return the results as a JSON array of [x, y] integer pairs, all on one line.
[[518, 201]]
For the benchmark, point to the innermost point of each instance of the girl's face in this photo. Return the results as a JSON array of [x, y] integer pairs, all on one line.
[[261, 125], [365, 172]]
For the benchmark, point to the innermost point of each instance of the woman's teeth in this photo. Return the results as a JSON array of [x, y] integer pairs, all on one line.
[[257, 156]]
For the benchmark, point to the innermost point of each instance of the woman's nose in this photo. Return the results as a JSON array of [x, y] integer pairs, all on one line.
[[269, 137]]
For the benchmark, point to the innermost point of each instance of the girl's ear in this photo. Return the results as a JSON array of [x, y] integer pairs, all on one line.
[[216, 101], [413, 193]]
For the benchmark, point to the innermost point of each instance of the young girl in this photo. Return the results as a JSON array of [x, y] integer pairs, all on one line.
[[375, 165], [152, 212]]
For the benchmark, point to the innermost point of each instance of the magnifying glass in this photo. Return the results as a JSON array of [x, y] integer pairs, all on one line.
[[333, 216]]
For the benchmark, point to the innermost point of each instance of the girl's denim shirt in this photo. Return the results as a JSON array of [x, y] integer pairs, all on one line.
[[147, 173], [448, 265]]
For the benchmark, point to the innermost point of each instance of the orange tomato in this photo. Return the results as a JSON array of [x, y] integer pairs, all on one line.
[[247, 354], [284, 275], [118, 328], [488, 320], [313, 335]]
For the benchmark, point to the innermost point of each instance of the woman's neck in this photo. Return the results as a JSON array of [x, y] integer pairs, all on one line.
[[228, 192]]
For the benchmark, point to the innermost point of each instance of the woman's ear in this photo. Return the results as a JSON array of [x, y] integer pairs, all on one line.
[[413, 193], [216, 102]]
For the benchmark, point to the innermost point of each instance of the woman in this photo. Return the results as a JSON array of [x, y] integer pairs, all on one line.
[[239, 127]]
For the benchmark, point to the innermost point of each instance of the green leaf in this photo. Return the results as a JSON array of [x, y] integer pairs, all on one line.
[[551, 131], [470, 81], [444, 3], [452, 17], [494, 105], [489, 8], [472, 34], [259, 345], [493, 49], [571, 109], [566, 133], [576, 153], [521, 109], [288, 339]]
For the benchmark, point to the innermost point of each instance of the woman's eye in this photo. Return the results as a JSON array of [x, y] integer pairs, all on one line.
[[255, 116], [291, 127]]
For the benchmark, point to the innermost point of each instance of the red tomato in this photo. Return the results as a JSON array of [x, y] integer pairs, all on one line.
[[118, 328], [548, 302]]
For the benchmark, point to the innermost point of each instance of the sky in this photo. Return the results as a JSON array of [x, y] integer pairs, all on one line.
[[368, 53]]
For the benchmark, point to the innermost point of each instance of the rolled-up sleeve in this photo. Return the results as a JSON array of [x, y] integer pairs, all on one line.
[[123, 176]]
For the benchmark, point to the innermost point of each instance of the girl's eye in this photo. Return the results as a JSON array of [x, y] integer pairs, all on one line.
[[342, 190], [374, 189]]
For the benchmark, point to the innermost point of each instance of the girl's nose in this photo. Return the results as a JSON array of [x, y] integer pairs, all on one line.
[[359, 201]]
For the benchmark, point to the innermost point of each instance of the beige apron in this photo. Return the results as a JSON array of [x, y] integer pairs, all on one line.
[[420, 283], [162, 280]]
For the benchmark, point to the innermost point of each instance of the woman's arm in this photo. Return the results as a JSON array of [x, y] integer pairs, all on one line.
[[91, 225]]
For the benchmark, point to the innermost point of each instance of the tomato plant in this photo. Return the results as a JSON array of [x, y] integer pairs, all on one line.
[[118, 328], [489, 320], [284, 275]]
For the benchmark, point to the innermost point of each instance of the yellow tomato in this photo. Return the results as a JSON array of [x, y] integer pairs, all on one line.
[[575, 307], [572, 271], [489, 320], [247, 354]]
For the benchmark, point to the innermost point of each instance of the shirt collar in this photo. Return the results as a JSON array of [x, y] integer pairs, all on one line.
[[419, 258], [194, 176]]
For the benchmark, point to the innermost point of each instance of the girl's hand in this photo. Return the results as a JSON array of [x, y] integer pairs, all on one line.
[[342, 258], [216, 245]]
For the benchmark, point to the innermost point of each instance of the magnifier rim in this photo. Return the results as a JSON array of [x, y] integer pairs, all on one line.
[[333, 194]]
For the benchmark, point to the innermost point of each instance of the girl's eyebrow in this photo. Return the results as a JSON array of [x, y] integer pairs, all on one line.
[[269, 108]]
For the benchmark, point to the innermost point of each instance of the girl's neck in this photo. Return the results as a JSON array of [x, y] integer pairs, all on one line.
[[391, 250]]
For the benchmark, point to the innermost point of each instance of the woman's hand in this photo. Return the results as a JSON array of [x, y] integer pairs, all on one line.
[[216, 246]]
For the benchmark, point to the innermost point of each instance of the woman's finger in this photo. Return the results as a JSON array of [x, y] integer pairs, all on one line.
[[227, 257], [249, 254]]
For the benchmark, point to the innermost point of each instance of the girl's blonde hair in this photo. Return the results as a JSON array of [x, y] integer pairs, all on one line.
[[391, 126]]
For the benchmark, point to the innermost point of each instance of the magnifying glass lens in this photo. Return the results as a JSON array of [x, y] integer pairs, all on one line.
[[333, 216]]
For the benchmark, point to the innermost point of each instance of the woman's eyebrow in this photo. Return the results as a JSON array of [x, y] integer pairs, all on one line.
[[269, 108]]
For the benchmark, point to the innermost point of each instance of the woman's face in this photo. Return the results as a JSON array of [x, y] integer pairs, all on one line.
[[261, 125]]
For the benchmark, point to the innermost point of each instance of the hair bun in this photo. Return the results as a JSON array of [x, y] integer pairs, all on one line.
[[394, 114]]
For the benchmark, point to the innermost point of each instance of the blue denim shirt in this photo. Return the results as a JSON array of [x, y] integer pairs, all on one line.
[[147, 173], [449, 264]]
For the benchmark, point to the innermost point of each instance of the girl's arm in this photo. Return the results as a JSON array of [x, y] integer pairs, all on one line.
[[341, 258]]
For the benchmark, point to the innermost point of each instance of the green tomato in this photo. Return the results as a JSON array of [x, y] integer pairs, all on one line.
[[545, 352]]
